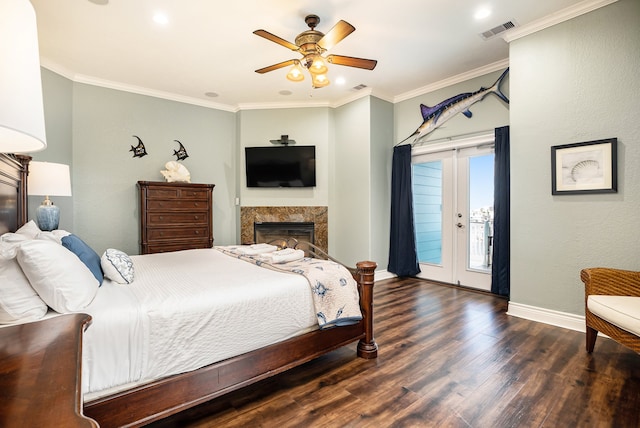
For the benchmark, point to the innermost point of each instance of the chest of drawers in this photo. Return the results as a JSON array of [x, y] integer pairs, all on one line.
[[175, 216]]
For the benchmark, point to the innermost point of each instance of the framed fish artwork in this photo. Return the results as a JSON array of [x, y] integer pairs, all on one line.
[[588, 167]]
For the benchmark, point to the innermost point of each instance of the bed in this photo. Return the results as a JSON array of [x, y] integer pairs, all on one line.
[[155, 391]]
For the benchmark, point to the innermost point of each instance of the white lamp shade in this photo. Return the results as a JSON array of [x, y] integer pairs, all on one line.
[[49, 179], [21, 109]]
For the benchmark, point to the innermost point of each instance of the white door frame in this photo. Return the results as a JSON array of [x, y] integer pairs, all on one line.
[[450, 268]]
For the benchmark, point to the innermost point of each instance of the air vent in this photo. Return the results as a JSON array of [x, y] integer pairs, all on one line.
[[498, 30], [359, 87]]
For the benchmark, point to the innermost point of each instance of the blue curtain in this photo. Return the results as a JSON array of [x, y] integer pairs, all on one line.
[[500, 280], [403, 260]]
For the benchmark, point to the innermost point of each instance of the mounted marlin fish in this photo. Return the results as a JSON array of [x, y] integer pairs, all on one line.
[[434, 117]]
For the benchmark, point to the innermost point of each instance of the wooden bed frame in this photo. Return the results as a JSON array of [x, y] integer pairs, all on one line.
[[156, 400]]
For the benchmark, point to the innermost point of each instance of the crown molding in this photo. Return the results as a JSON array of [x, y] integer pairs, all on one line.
[[89, 80], [556, 18], [282, 105], [79, 78], [472, 74]]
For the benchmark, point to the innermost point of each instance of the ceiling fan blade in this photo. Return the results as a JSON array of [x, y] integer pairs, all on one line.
[[339, 31], [276, 66], [350, 61], [267, 35]]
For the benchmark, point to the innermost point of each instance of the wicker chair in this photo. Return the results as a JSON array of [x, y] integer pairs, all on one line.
[[613, 282]]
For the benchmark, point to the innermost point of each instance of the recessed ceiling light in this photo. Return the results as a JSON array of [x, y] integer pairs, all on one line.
[[161, 18], [285, 92], [211, 94], [340, 80], [100, 2], [482, 13]]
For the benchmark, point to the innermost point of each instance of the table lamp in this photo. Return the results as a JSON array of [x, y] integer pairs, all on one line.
[[21, 109], [48, 179]]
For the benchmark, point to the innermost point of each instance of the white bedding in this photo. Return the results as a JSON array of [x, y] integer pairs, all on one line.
[[185, 310]]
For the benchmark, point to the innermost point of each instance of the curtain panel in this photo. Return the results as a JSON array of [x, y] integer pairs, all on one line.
[[500, 272], [403, 259]]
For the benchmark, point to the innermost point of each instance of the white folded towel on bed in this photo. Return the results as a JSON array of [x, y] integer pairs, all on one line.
[[255, 249], [283, 256]]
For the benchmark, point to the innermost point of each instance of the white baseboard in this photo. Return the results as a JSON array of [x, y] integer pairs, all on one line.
[[547, 316], [384, 274]]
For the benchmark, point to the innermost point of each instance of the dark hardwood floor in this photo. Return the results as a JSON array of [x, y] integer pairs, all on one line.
[[448, 358]]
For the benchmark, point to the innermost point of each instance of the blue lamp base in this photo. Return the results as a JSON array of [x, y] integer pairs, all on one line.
[[48, 217]]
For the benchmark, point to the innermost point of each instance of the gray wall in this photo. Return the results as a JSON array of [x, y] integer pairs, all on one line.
[[381, 154], [577, 81], [105, 172], [58, 109], [308, 127], [488, 114], [349, 210]]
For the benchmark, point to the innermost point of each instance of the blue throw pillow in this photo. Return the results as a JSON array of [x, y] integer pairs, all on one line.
[[84, 252]]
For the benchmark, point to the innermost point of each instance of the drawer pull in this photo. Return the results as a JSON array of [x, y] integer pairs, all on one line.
[[197, 232], [161, 218], [195, 204], [196, 217]]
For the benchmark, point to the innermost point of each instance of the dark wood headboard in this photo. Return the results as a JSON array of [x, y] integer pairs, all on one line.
[[14, 170]]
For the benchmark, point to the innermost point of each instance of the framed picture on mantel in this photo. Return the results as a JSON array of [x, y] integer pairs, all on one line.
[[589, 167]]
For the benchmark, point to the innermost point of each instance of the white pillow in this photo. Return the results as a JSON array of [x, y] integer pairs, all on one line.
[[55, 235], [117, 266], [58, 275], [13, 237], [29, 229], [18, 300]]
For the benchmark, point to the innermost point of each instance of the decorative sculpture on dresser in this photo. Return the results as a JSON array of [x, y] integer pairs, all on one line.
[[176, 172]]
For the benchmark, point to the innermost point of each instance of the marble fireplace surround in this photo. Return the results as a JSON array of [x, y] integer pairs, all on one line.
[[317, 215]]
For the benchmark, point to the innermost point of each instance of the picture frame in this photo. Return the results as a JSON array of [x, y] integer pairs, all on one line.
[[583, 168]]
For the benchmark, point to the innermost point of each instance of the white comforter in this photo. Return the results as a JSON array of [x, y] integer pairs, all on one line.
[[185, 310]]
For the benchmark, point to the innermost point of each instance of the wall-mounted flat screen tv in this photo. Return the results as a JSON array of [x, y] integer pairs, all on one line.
[[281, 166]]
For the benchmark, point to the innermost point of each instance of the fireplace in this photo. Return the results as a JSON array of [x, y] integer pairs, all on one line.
[[268, 231], [302, 223]]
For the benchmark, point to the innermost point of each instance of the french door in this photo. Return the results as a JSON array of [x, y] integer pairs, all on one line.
[[453, 210]]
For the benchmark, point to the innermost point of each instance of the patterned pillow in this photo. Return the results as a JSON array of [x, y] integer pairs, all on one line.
[[117, 266]]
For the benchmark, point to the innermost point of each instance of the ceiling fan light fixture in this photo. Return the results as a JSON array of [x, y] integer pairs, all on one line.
[[319, 80], [295, 73], [312, 44], [318, 65]]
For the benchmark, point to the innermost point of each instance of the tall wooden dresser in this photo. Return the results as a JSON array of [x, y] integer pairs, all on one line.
[[175, 216]]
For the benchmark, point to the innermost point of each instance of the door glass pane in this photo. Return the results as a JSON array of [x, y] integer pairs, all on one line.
[[427, 211], [480, 212]]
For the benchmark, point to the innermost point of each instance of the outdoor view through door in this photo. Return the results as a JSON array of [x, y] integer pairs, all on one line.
[[453, 210]]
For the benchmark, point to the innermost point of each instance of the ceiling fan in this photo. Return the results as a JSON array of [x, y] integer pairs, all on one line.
[[312, 44]]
